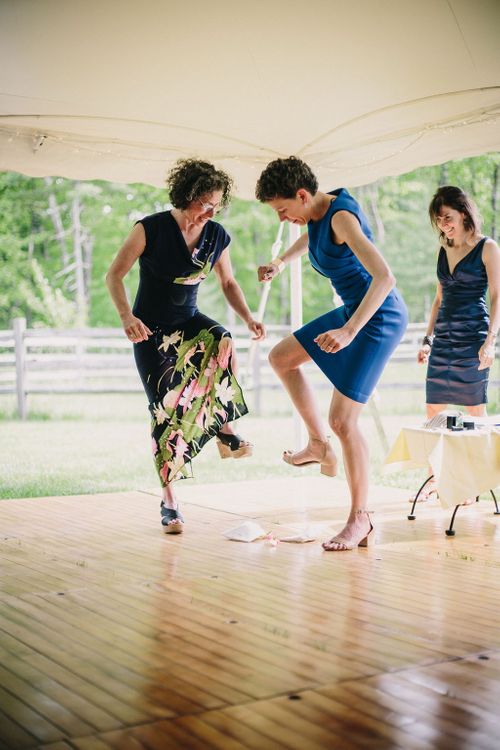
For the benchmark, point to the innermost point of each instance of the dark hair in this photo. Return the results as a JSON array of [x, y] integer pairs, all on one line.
[[455, 198], [191, 179], [283, 177]]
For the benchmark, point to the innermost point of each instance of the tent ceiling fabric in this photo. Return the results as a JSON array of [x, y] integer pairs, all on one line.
[[118, 90]]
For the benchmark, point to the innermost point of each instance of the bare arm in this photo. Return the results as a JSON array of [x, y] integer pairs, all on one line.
[[272, 269], [346, 229], [424, 351], [131, 249], [234, 295], [491, 260]]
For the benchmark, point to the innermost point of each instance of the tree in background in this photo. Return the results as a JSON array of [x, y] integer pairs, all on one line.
[[58, 236]]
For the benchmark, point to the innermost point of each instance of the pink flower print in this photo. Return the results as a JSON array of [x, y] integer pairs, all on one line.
[[173, 435], [188, 355], [154, 446], [224, 352], [211, 367], [201, 417], [202, 388], [171, 399], [164, 472], [181, 447]]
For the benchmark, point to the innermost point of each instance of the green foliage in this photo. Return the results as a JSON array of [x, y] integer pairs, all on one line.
[[38, 278]]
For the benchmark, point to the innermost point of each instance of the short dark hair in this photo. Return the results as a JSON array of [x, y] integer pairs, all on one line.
[[191, 179], [282, 178], [455, 198]]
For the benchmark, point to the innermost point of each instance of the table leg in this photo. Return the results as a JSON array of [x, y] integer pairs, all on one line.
[[496, 511], [411, 516], [451, 531]]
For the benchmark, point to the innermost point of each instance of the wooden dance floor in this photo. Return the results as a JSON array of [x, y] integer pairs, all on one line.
[[114, 635]]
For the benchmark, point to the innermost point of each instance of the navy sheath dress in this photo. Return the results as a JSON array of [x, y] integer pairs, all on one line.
[[354, 370], [460, 331], [186, 365]]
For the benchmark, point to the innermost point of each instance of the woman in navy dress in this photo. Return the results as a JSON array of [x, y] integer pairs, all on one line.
[[352, 343], [459, 344], [185, 359]]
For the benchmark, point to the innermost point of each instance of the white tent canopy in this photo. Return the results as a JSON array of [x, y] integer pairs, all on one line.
[[117, 89]]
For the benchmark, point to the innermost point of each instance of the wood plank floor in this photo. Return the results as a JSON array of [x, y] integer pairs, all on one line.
[[114, 635]]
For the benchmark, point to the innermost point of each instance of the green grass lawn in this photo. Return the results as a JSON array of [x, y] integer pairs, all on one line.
[[88, 444]]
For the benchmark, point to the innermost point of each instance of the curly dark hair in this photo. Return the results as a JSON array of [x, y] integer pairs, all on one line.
[[283, 177], [455, 198], [191, 179]]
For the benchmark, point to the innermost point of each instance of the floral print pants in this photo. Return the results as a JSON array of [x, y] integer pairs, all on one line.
[[187, 374]]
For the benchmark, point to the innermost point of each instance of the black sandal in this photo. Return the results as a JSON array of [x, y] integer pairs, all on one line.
[[172, 520], [233, 446]]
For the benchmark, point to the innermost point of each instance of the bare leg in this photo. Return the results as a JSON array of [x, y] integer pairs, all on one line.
[[168, 497], [477, 411], [433, 409], [286, 359], [344, 417]]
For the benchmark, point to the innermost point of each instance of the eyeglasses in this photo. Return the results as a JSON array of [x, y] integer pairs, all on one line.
[[210, 207]]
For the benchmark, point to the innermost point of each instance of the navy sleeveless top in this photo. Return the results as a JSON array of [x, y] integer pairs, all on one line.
[[169, 274], [464, 293]]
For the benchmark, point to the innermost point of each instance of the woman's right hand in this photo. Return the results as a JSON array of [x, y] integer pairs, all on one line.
[[135, 329], [268, 272], [423, 354]]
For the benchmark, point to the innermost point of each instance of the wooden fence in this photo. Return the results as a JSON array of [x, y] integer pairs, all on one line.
[[100, 360]]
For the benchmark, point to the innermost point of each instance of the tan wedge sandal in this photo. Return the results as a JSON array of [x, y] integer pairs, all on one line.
[[233, 446], [327, 461]]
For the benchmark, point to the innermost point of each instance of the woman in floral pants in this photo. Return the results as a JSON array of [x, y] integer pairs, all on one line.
[[185, 359]]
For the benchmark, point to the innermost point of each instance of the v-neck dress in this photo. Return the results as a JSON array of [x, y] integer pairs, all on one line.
[[460, 330], [354, 370], [186, 365]]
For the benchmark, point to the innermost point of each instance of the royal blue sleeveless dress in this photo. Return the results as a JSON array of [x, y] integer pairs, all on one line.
[[354, 370], [460, 331]]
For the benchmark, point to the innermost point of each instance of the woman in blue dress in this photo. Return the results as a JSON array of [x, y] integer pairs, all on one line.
[[352, 343], [459, 344]]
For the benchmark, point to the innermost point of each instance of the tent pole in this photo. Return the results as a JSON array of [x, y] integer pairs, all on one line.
[[296, 319]]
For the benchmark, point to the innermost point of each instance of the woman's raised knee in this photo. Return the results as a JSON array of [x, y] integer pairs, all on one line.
[[277, 358]]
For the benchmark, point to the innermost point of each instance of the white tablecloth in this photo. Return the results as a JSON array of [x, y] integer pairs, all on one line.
[[464, 464]]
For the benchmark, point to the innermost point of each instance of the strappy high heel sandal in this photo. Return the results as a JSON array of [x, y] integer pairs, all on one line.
[[327, 461], [172, 520], [343, 544], [233, 446]]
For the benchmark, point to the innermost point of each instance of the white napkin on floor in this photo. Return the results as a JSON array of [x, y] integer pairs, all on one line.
[[248, 531]]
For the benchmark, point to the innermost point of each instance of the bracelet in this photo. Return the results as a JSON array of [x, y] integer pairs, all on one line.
[[278, 263], [427, 340]]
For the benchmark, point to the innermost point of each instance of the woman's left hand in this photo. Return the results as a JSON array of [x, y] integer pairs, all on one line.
[[258, 329], [486, 355], [334, 340]]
